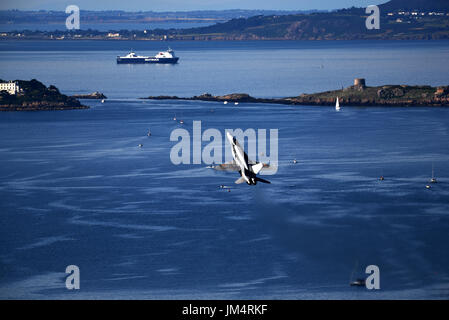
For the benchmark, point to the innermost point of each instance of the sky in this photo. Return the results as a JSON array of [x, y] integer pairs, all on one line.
[[184, 5]]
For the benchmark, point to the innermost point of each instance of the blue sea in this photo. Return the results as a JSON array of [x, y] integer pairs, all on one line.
[[76, 189]]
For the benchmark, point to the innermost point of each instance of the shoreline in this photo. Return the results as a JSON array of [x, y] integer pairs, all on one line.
[[15, 108], [206, 39]]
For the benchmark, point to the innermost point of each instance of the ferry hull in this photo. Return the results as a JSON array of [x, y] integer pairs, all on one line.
[[127, 60]]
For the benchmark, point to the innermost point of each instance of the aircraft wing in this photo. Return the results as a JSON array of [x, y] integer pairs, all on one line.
[[229, 166]]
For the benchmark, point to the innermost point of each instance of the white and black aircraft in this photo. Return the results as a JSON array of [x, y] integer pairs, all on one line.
[[247, 168]]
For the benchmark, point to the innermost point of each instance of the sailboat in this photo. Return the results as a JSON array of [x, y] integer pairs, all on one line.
[[337, 105], [433, 180], [359, 282]]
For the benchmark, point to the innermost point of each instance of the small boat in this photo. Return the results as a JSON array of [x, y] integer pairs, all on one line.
[[337, 105], [428, 187], [140, 145], [357, 283], [181, 121], [381, 178], [149, 133], [102, 101], [225, 102], [236, 103], [295, 161]]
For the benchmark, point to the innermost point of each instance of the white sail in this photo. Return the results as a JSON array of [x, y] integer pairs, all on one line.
[[337, 105]]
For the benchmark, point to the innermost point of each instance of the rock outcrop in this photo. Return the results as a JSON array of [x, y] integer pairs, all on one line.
[[93, 95], [356, 95]]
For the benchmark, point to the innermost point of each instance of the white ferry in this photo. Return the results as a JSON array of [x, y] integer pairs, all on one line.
[[162, 57]]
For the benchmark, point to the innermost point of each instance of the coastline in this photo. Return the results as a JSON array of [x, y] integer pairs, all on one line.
[[40, 107]]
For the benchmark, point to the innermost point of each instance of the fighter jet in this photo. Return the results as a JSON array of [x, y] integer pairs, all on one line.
[[248, 169]]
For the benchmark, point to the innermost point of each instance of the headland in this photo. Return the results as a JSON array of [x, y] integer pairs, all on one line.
[[21, 95]]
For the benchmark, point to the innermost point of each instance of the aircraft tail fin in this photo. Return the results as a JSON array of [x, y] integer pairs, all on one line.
[[257, 167], [240, 180], [262, 180]]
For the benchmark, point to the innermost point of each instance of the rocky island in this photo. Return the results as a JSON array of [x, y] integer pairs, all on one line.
[[21, 95], [356, 95], [93, 95]]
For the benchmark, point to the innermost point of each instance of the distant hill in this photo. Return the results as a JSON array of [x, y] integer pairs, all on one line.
[[419, 22], [87, 16], [345, 24], [422, 5]]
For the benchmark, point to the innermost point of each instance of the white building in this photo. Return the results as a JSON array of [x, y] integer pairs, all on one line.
[[11, 87]]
